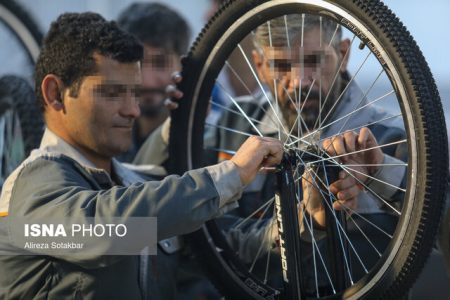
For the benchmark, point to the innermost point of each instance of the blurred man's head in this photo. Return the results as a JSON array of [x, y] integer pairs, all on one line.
[[165, 36], [299, 59], [87, 76]]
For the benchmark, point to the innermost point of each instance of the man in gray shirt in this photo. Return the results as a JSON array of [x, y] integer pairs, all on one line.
[[87, 81]]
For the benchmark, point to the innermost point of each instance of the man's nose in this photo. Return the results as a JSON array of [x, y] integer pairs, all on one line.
[[301, 78], [130, 106]]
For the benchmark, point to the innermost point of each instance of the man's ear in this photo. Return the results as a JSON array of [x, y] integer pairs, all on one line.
[[344, 47], [53, 92], [258, 61]]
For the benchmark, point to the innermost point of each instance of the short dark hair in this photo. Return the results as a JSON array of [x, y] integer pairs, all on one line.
[[70, 44], [156, 25]]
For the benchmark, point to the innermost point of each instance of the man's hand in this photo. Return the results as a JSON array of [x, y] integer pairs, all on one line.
[[350, 148], [312, 198], [255, 153], [348, 186], [172, 93]]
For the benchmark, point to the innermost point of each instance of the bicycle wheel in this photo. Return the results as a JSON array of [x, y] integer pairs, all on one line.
[[21, 123], [21, 40], [373, 251]]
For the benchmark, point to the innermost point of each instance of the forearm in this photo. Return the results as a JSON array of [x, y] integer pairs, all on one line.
[[181, 204]]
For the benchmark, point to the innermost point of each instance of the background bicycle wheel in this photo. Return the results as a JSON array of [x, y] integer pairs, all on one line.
[[21, 122]]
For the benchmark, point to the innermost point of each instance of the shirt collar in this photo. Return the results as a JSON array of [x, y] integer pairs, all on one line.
[[52, 143]]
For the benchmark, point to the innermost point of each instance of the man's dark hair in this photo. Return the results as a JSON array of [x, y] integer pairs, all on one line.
[[156, 25], [71, 42]]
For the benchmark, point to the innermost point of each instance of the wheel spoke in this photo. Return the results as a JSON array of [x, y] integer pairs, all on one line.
[[299, 114], [238, 77], [343, 117], [238, 224], [343, 92], [359, 215], [338, 73], [362, 231], [314, 243], [365, 125], [360, 151], [272, 228], [266, 236], [261, 87], [228, 129], [362, 100], [341, 229], [226, 108], [328, 201], [370, 190], [275, 84], [240, 109], [373, 178], [339, 225]]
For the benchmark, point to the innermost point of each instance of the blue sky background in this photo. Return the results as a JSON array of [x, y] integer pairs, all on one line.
[[429, 24]]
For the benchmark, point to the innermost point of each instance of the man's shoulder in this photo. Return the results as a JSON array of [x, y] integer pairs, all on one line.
[[40, 163], [37, 170]]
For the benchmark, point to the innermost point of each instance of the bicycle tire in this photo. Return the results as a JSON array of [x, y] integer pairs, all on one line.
[[23, 101], [423, 115]]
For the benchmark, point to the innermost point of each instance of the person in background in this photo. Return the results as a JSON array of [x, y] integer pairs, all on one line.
[[174, 272], [165, 36]]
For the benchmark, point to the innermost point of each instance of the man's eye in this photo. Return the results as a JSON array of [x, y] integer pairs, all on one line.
[[111, 91], [312, 60], [282, 65], [137, 92], [159, 61]]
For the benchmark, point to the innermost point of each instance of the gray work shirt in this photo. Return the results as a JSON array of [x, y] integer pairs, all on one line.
[[57, 180]]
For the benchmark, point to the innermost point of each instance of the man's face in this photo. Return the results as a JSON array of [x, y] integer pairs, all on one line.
[[100, 119], [157, 69], [302, 73]]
